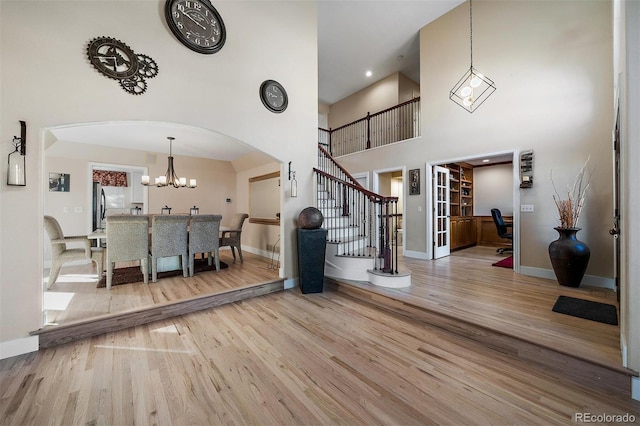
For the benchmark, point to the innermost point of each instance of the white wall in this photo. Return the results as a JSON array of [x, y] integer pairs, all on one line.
[[493, 188], [47, 81]]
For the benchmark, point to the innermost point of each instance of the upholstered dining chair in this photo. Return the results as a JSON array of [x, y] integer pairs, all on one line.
[[204, 233], [127, 240], [60, 253], [231, 237], [168, 239]]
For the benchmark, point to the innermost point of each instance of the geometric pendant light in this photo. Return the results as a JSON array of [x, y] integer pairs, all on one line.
[[473, 88]]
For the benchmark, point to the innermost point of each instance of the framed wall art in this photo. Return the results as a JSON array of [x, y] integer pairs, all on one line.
[[59, 182], [414, 182]]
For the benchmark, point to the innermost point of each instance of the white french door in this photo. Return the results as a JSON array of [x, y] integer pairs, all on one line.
[[441, 213]]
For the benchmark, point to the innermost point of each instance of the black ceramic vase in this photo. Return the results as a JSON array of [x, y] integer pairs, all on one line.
[[569, 257]]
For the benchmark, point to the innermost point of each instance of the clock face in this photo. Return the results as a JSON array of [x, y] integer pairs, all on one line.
[[197, 24], [273, 96]]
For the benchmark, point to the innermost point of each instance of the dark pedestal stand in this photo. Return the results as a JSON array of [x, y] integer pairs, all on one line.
[[312, 244]]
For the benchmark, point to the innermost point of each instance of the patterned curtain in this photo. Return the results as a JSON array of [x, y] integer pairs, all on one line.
[[110, 178]]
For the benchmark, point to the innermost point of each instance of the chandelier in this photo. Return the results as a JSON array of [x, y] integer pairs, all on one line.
[[473, 88], [170, 178]]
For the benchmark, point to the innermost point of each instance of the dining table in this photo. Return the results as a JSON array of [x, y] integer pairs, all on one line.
[[164, 264]]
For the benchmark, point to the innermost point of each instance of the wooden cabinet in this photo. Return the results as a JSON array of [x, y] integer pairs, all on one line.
[[463, 224], [463, 232]]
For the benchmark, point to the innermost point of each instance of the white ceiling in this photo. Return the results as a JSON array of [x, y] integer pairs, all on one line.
[[152, 137], [381, 36], [353, 36]]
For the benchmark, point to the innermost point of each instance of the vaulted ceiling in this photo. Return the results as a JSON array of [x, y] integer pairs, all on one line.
[[353, 37]]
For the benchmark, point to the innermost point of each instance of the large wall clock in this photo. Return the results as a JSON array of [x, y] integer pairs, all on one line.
[[197, 24], [273, 96]]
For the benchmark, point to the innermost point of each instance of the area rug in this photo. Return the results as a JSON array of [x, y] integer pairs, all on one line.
[[594, 311], [507, 262], [133, 275]]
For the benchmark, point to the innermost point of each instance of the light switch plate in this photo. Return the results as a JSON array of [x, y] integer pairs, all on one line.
[[527, 208]]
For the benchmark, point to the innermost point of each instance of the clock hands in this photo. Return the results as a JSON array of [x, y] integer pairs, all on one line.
[[194, 21]]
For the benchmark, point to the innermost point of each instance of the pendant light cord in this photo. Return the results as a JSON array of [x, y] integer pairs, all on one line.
[[471, 32]]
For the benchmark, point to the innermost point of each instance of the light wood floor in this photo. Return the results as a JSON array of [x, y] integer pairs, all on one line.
[[75, 297], [465, 286], [289, 359]]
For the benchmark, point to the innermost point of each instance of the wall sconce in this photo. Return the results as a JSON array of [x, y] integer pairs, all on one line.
[[165, 210], [194, 210], [135, 210], [17, 172], [294, 183]]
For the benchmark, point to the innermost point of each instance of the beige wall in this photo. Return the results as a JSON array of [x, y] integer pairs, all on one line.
[[378, 96], [54, 85], [216, 182], [566, 116], [259, 236], [407, 88]]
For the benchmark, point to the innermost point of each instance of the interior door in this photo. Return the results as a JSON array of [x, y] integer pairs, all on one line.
[[615, 231], [441, 213]]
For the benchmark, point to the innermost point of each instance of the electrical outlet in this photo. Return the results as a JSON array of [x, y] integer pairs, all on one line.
[[78, 209], [527, 208]]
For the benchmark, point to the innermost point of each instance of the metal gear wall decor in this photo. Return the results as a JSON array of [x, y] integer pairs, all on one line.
[[117, 61]]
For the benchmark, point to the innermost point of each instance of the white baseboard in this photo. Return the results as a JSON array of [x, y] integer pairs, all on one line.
[[416, 254], [19, 346], [588, 280], [290, 283]]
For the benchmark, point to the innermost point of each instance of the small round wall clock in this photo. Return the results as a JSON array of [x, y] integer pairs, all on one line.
[[273, 96], [196, 24]]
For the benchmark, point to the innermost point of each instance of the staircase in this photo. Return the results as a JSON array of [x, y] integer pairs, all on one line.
[[361, 226]]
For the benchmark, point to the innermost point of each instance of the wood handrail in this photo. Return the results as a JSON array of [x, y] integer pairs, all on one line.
[[369, 116], [371, 195], [342, 169], [397, 106]]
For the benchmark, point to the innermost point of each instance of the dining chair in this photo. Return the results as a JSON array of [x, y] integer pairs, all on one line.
[[204, 233], [231, 237], [127, 240], [168, 239], [60, 253]]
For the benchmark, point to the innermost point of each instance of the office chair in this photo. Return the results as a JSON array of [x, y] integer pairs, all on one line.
[[502, 228]]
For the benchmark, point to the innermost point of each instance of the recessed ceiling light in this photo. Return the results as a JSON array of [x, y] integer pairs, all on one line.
[[486, 160], [368, 73]]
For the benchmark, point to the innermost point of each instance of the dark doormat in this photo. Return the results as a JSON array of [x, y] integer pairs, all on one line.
[[133, 275], [594, 311], [507, 262]]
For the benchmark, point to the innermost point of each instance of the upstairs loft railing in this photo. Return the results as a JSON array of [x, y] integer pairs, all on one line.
[[360, 221], [394, 124]]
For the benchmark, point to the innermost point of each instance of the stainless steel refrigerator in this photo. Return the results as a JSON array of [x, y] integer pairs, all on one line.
[[99, 208]]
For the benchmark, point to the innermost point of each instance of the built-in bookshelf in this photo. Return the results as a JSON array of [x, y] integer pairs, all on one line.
[[461, 205], [460, 189]]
